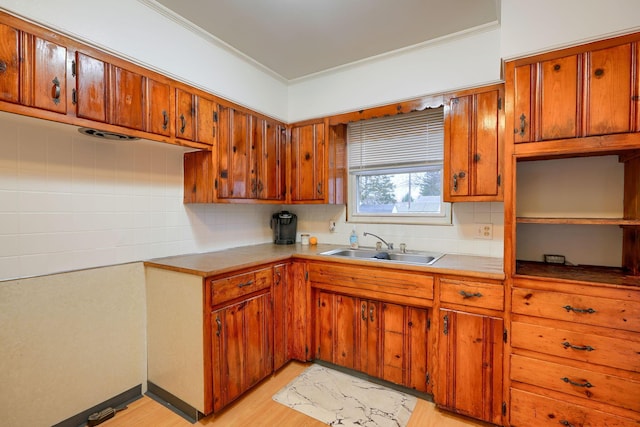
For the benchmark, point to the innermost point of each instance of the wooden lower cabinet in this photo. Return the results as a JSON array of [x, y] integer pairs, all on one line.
[[242, 348], [381, 339], [470, 350]]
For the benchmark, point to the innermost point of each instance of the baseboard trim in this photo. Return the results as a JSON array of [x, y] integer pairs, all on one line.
[[172, 402], [124, 398]]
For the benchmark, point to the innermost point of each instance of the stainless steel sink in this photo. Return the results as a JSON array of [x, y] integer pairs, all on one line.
[[422, 258]]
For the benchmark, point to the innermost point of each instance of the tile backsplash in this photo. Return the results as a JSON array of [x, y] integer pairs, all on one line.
[[69, 201]]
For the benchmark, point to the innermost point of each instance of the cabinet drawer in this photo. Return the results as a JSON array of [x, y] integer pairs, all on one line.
[[474, 294], [586, 347], [595, 386], [589, 310], [242, 284], [530, 409]]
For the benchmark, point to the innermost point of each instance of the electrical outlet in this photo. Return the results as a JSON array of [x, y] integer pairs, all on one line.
[[484, 231]]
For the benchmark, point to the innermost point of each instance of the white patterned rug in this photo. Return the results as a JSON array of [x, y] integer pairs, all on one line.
[[338, 399]]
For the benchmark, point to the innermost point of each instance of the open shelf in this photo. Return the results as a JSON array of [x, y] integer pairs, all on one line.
[[584, 221], [582, 273]]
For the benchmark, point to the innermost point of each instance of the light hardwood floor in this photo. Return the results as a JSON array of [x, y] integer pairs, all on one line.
[[257, 408]]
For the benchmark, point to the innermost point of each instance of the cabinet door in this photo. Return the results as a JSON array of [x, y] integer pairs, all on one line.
[[369, 338], [47, 75], [185, 114], [127, 94], [242, 348], [233, 181], [280, 308], [418, 321], [470, 365], [473, 145], [91, 88], [558, 95], [207, 121], [393, 339], [269, 144], [609, 90], [336, 329], [308, 163], [9, 64], [158, 107]]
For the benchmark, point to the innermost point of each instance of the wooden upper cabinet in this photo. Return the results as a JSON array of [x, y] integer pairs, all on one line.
[[579, 92], [269, 143], [90, 95], [158, 107], [307, 166], [234, 150], [207, 121], [45, 74], [127, 98], [9, 64], [474, 145], [185, 115]]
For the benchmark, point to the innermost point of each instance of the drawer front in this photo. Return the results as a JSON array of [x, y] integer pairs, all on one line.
[[591, 348], [373, 279], [242, 284], [529, 409], [595, 386], [473, 294], [589, 310]]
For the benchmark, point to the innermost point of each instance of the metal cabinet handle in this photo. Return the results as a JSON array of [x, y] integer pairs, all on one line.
[[586, 384], [219, 323], [371, 313], [242, 285], [579, 310], [165, 120], [319, 189], [278, 277], [567, 344], [55, 90], [460, 175], [523, 125], [566, 423], [466, 294], [183, 123], [363, 312]]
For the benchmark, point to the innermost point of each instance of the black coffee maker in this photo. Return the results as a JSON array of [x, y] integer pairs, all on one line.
[[284, 225]]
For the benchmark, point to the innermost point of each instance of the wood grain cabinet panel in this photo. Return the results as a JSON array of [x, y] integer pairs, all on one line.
[[530, 409], [473, 294], [474, 121], [307, 167], [9, 64], [185, 115], [91, 88], [233, 179], [127, 98], [281, 308], [470, 365], [236, 286], [207, 121], [158, 107], [45, 74]]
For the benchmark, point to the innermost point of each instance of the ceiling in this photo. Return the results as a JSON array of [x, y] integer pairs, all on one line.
[[296, 38]]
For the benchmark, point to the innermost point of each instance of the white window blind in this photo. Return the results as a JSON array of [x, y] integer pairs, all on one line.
[[403, 141]]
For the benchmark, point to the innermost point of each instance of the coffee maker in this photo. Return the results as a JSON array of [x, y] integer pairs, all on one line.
[[284, 225]]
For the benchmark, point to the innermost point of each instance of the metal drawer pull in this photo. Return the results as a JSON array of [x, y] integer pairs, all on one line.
[[364, 311], [586, 384], [466, 294], [567, 344], [566, 423], [579, 310], [242, 285]]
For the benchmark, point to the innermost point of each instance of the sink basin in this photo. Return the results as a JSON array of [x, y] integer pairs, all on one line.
[[423, 258]]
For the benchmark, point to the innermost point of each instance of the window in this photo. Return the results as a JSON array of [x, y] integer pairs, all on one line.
[[395, 169]]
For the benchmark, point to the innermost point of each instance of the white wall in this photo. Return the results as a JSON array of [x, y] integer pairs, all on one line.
[[70, 201], [529, 27], [459, 62], [139, 33]]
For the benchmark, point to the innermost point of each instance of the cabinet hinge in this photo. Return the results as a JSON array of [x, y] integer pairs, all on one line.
[[499, 103], [504, 409], [445, 326], [306, 275], [427, 378], [499, 180], [428, 324], [73, 68], [504, 335], [215, 117], [215, 183], [74, 96]]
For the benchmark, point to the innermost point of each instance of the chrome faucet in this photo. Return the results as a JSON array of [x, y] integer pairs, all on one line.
[[389, 245]]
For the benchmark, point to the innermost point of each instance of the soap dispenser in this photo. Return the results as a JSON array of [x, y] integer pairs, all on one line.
[[353, 239]]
